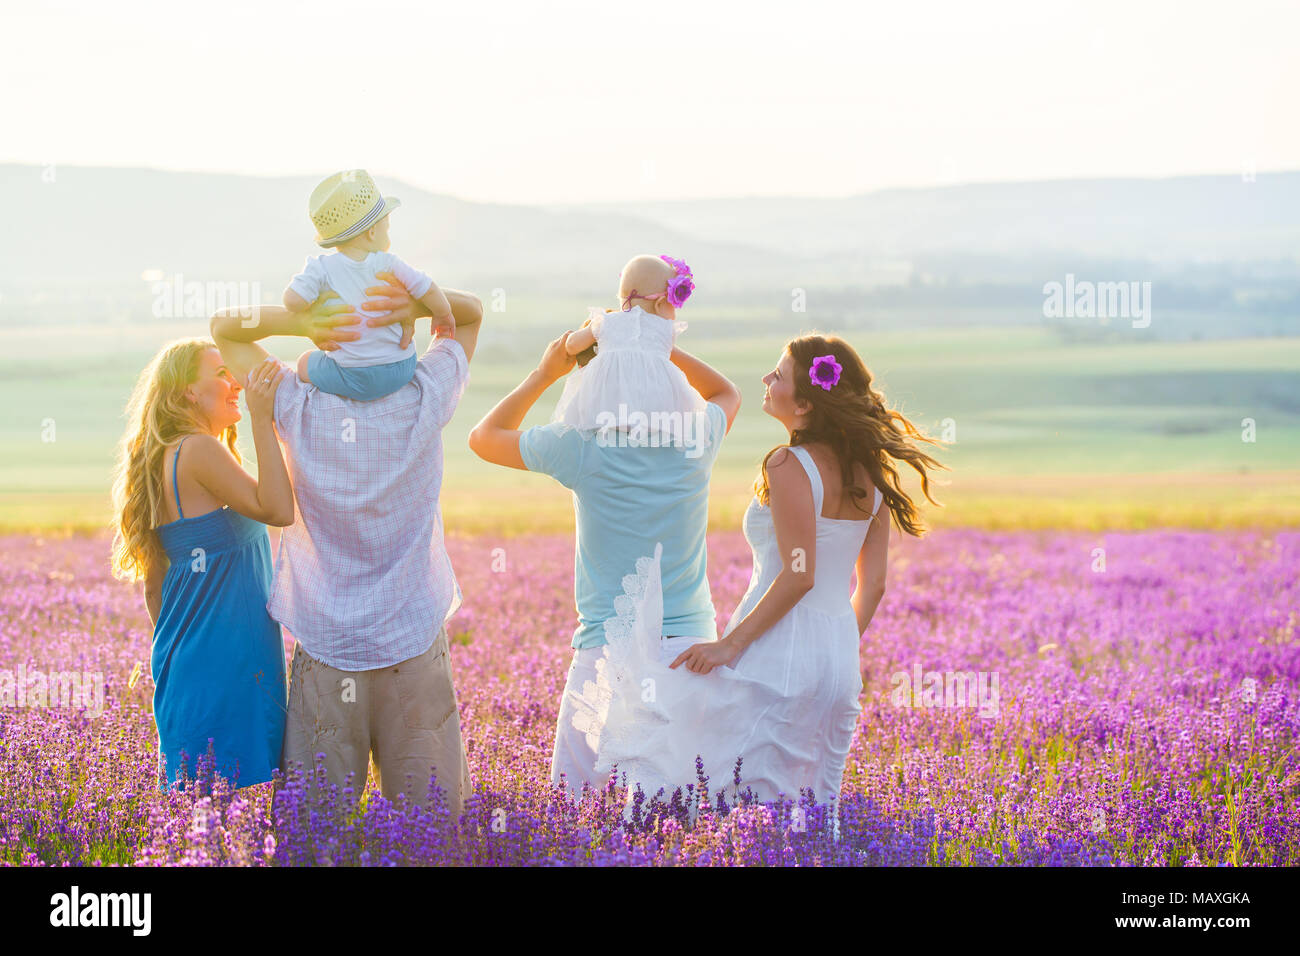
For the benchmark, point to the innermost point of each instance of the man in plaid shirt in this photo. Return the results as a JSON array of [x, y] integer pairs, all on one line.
[[362, 579]]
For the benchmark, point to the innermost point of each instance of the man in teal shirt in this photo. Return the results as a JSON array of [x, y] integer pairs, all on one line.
[[626, 498]]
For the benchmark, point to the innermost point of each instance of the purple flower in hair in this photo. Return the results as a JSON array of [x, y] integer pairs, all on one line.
[[825, 371], [679, 265], [679, 290]]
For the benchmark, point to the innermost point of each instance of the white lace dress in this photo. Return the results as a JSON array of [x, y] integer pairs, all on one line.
[[632, 383], [788, 706]]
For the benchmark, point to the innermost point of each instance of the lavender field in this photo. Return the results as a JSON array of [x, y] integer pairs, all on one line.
[[1138, 705]]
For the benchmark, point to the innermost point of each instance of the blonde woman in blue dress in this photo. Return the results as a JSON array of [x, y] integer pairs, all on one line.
[[780, 689], [192, 525]]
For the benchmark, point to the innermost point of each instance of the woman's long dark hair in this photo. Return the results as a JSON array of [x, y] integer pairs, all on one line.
[[852, 419]]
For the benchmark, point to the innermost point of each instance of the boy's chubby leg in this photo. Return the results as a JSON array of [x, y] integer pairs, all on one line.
[[304, 372]]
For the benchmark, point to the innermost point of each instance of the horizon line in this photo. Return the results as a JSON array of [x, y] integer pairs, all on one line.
[[698, 199]]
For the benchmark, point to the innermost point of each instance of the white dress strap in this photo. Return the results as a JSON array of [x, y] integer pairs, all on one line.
[[814, 477], [876, 507]]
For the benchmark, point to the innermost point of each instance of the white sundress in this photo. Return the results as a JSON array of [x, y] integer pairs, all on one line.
[[632, 383], [788, 705]]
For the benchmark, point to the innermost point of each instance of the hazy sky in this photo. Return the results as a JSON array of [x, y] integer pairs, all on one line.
[[590, 101]]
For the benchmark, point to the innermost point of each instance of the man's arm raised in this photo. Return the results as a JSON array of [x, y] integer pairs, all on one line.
[[496, 437], [710, 383], [396, 301], [236, 331]]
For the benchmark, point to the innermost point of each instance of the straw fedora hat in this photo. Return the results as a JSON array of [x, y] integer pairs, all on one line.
[[346, 205]]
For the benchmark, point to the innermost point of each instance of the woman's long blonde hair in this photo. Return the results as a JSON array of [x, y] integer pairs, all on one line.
[[157, 415], [852, 419]]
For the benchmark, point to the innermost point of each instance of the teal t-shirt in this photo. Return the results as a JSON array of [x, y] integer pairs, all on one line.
[[625, 499]]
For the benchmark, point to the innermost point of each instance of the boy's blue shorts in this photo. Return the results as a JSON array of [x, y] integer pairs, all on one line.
[[364, 384]]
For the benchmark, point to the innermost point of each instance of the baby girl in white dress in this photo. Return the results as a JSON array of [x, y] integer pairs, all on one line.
[[631, 391]]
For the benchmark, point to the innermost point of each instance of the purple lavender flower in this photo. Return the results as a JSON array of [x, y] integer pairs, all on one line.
[[1150, 715]]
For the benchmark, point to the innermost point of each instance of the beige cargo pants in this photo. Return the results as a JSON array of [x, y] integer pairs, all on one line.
[[406, 715]]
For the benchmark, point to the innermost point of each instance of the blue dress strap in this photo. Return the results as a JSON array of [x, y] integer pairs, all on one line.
[[175, 488]]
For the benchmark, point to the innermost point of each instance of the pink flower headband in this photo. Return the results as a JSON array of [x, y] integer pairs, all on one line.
[[825, 372], [680, 285]]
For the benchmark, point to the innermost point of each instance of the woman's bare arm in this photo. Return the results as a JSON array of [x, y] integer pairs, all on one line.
[[153, 591], [796, 536], [871, 568], [269, 497]]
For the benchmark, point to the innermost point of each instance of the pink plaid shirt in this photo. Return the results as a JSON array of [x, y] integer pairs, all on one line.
[[362, 578]]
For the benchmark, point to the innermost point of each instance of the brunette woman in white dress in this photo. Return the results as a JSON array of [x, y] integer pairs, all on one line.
[[780, 689]]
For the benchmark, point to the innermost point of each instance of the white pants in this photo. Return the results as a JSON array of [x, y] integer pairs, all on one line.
[[573, 755]]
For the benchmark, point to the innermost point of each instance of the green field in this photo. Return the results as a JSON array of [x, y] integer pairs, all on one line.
[[1048, 433]]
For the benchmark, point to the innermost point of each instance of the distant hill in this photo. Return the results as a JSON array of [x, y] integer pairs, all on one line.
[[1214, 218], [1228, 249], [96, 224]]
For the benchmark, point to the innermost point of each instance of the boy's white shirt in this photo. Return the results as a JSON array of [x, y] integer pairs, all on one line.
[[350, 279]]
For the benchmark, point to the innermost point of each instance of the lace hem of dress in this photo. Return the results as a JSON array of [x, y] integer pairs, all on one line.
[[615, 710]]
